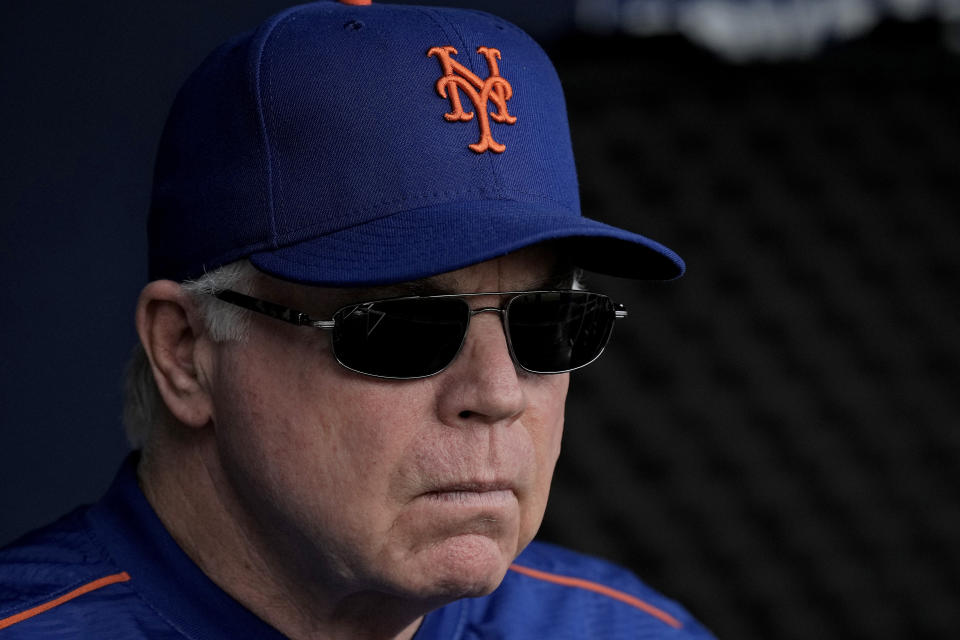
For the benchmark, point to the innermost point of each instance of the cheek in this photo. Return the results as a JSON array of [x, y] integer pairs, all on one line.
[[546, 433], [315, 438], [549, 402], [330, 458]]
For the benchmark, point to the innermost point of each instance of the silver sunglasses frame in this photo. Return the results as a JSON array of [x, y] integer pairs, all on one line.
[[299, 318]]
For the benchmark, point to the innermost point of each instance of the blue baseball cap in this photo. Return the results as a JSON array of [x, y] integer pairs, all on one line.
[[344, 143]]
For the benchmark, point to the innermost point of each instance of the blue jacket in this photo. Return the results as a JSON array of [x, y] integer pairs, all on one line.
[[111, 571]]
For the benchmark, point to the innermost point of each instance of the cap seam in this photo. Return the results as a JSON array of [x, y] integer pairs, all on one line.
[[253, 247], [560, 233], [279, 240], [261, 114], [448, 194], [557, 233], [469, 63]]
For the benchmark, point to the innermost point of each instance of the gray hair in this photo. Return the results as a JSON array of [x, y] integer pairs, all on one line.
[[143, 406]]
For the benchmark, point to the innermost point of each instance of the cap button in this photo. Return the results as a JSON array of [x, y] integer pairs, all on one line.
[[356, 3]]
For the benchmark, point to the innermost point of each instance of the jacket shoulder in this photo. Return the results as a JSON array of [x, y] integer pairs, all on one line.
[[44, 562], [51, 578], [554, 592]]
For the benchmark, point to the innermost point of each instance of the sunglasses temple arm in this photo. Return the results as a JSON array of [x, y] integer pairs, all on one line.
[[271, 309]]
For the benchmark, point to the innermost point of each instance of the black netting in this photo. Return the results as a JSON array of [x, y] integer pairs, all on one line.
[[775, 439]]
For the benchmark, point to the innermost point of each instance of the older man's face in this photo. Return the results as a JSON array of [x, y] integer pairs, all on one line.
[[420, 488]]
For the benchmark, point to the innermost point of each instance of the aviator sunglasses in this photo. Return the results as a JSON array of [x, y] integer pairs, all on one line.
[[419, 336]]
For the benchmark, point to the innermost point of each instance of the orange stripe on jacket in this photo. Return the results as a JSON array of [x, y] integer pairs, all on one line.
[[79, 591], [602, 589]]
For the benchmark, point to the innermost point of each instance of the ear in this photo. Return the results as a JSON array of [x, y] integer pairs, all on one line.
[[173, 335]]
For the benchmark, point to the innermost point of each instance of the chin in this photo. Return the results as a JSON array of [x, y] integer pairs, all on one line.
[[465, 566]]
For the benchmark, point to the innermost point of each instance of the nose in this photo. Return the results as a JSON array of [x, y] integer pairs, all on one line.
[[483, 385]]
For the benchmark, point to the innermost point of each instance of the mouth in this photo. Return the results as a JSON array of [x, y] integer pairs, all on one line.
[[473, 494]]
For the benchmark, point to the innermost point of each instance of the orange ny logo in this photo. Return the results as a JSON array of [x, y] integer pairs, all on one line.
[[494, 89]]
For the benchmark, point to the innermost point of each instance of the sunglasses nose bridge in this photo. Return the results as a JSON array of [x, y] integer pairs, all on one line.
[[497, 310], [502, 312]]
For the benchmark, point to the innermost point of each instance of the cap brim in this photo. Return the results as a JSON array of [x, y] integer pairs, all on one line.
[[419, 243]]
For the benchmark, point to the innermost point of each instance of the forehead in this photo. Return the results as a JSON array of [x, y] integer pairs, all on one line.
[[528, 269]]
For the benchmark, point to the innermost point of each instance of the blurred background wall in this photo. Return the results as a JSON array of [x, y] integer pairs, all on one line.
[[774, 440]]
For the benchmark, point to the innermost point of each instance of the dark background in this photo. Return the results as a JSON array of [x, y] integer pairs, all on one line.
[[774, 440]]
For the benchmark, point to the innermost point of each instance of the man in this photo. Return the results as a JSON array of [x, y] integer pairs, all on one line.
[[355, 351]]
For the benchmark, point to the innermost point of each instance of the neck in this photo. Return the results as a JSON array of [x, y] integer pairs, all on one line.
[[189, 491]]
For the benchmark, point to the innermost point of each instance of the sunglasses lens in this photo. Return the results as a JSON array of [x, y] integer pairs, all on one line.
[[557, 331], [401, 338]]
